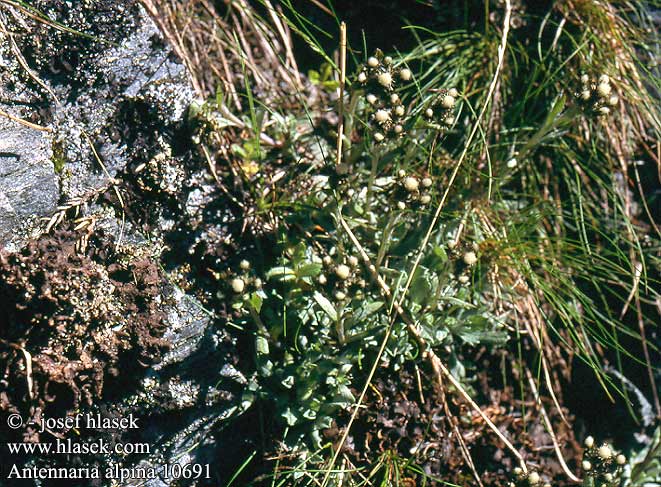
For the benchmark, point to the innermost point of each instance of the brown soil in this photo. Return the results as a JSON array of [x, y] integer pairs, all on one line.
[[74, 319]]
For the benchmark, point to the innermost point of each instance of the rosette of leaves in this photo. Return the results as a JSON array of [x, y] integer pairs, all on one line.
[[312, 341], [319, 318]]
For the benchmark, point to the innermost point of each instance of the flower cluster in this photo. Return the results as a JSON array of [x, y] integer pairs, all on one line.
[[241, 283], [441, 110], [602, 463], [412, 190], [518, 17], [467, 255], [344, 277], [598, 96], [378, 77], [527, 479]]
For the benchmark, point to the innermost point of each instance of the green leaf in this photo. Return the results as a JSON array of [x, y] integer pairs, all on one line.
[[308, 270], [475, 329], [420, 289], [281, 273], [261, 345], [438, 259], [290, 418], [646, 464], [326, 305], [558, 106], [345, 394], [256, 302], [324, 422], [314, 76], [364, 312]]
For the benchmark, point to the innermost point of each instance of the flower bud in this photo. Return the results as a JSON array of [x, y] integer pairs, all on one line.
[[244, 265], [385, 79], [621, 459], [448, 101], [353, 260], [589, 442], [587, 466], [372, 62], [378, 136], [470, 258], [399, 110], [453, 92], [426, 182], [405, 74], [411, 184], [604, 452], [604, 89], [340, 296], [371, 99], [382, 116], [238, 285], [342, 271], [533, 478]]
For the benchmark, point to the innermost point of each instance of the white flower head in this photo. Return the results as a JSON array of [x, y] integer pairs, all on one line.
[[470, 258], [238, 285]]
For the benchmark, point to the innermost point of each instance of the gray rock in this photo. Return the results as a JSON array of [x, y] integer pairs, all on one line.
[[139, 69], [28, 183], [87, 122], [115, 111]]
